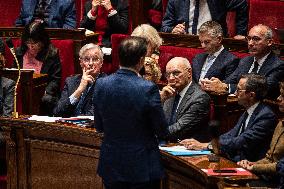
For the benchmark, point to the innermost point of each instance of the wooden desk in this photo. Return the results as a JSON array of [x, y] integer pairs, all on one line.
[[184, 172], [50, 155], [31, 90]]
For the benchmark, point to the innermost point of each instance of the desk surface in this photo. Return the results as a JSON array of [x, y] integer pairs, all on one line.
[[185, 172]]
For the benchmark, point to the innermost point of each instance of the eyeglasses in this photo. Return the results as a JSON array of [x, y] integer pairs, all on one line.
[[240, 90], [254, 39], [174, 73], [90, 59]]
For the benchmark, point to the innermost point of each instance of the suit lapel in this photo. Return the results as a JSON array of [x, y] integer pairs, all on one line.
[[186, 97], [255, 112], [216, 64], [200, 64], [267, 64], [186, 16]]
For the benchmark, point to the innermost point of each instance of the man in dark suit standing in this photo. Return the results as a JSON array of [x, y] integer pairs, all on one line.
[[251, 136], [186, 106], [128, 111], [184, 16], [262, 61], [216, 61], [77, 94]]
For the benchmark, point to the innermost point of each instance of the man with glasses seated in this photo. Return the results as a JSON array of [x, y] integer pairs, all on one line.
[[77, 94], [185, 105], [262, 61], [251, 136]]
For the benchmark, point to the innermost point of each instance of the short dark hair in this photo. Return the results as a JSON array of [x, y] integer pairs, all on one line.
[[35, 31], [131, 50], [257, 84]]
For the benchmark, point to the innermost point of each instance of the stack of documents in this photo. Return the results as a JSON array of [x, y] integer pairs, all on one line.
[[182, 151]]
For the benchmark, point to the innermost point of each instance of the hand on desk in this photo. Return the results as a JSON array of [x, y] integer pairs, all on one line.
[[246, 164], [193, 144]]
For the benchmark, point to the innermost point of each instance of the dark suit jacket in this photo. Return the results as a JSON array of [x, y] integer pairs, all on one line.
[[128, 110], [223, 66], [7, 88], [117, 23], [272, 69], [177, 13], [192, 114], [64, 108], [62, 14], [51, 66], [254, 142]]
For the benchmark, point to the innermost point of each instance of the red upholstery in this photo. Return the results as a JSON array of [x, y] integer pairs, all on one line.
[[168, 52], [270, 13], [3, 182], [155, 18], [9, 12], [231, 23], [66, 52], [115, 41]]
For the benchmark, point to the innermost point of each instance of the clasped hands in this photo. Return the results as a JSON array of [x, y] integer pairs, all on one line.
[[213, 85], [246, 164], [104, 3]]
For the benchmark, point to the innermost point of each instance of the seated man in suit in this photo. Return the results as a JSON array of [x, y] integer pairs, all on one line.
[[251, 136], [128, 111], [186, 106], [262, 61], [267, 165], [7, 88], [187, 16], [55, 13], [216, 61], [77, 94]]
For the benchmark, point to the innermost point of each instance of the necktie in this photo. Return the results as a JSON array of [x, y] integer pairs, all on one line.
[[174, 109], [79, 107], [242, 128], [255, 67], [101, 23], [207, 65], [195, 17]]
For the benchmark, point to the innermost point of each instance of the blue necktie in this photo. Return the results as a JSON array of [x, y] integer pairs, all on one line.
[[195, 17], [79, 107], [174, 110]]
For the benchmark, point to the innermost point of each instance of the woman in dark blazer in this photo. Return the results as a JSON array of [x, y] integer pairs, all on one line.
[[106, 17], [37, 52]]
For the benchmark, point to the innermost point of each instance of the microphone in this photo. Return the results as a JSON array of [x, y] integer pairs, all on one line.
[[214, 130], [12, 50]]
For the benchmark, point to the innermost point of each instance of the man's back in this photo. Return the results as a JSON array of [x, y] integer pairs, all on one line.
[[129, 112]]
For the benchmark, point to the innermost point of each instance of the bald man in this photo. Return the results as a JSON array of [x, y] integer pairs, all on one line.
[[185, 105]]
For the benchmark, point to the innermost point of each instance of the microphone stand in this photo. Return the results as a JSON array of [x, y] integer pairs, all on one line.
[[15, 114]]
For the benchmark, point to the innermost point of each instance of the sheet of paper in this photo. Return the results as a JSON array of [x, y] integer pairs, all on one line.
[[44, 118]]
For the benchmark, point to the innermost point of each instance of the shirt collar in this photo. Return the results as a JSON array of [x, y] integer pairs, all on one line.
[[130, 69], [261, 60], [183, 91], [216, 54], [251, 109]]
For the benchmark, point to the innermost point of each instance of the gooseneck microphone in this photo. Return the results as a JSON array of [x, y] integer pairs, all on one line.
[[12, 50]]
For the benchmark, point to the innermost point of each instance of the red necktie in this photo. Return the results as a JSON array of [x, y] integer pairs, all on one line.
[[101, 22]]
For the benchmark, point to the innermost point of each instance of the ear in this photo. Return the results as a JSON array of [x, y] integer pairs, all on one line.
[[269, 42], [220, 39]]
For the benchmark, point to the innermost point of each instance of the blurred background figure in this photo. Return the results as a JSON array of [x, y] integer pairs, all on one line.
[[37, 52], [7, 88], [106, 17], [152, 70], [54, 13], [76, 97]]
